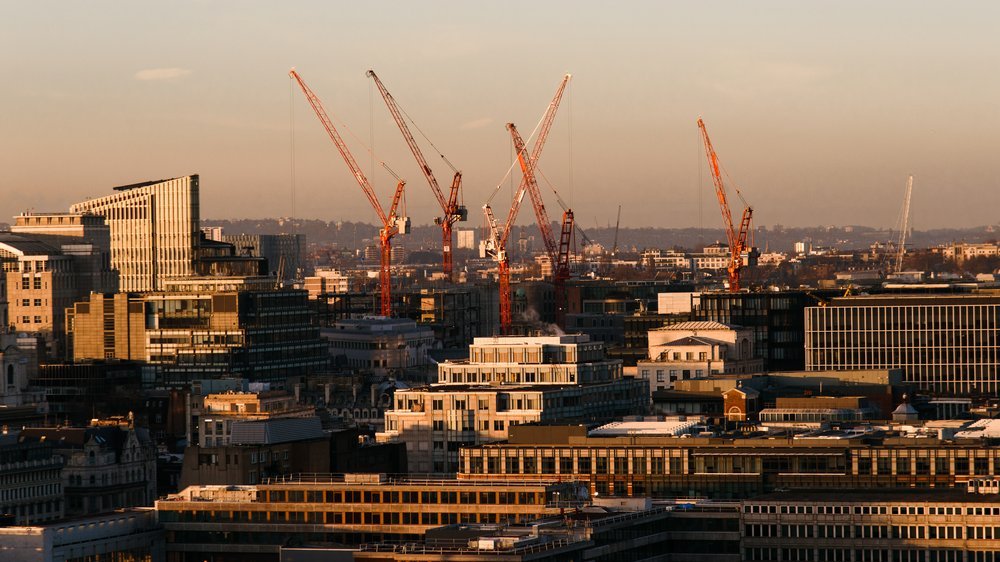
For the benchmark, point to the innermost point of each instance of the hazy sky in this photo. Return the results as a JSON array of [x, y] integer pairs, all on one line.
[[818, 110]]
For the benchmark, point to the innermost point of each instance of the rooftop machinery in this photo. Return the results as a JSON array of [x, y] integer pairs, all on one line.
[[452, 210], [392, 224], [495, 245], [737, 238]]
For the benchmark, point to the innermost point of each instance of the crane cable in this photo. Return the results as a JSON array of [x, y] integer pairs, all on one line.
[[511, 167]]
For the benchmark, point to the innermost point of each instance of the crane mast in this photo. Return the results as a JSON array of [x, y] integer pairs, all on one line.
[[737, 239], [496, 245], [452, 211], [901, 247], [392, 224]]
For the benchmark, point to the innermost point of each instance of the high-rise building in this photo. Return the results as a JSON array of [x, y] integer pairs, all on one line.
[[154, 230], [943, 343]]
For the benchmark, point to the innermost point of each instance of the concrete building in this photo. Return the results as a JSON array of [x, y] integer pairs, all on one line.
[[125, 535], [943, 343], [695, 350], [259, 334], [31, 486], [42, 280], [109, 465], [379, 344], [221, 412], [348, 509], [465, 239], [327, 281], [531, 360], [859, 457], [272, 247], [257, 450], [507, 382], [154, 228], [777, 320]]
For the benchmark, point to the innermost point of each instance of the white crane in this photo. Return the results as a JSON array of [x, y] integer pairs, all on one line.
[[904, 225]]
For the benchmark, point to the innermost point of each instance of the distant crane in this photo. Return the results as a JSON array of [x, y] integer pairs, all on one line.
[[618, 221], [737, 238], [452, 211], [280, 274], [495, 245], [392, 224], [905, 225]]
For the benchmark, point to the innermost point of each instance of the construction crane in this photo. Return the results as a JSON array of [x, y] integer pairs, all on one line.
[[495, 244], [618, 221], [905, 225], [737, 238], [392, 223], [280, 274], [452, 211], [558, 252]]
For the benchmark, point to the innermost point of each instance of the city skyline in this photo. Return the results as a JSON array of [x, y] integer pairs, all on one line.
[[805, 103]]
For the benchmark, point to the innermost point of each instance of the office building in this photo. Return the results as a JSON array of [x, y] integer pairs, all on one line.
[[776, 319], [220, 412], [327, 281], [254, 522], [379, 344], [877, 526], [634, 464], [465, 239], [273, 247], [943, 343], [506, 382], [257, 450], [31, 486], [122, 536], [259, 334], [154, 229], [42, 279]]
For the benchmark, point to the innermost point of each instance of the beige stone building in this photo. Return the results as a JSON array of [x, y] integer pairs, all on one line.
[[507, 382], [696, 350], [154, 230]]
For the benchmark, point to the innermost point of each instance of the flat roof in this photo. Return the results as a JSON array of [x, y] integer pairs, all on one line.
[[879, 495]]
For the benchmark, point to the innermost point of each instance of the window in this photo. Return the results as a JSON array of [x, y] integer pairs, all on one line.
[[38, 302], [38, 319], [437, 404], [37, 284], [25, 302], [659, 375]]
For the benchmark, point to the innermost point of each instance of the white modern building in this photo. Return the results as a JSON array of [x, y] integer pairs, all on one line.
[[154, 230]]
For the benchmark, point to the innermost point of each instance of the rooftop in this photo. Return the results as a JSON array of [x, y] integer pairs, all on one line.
[[697, 325]]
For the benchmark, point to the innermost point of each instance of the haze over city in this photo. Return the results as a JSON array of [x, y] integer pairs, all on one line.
[[818, 110]]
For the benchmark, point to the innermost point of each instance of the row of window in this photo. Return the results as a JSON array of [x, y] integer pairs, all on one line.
[[871, 510], [869, 555]]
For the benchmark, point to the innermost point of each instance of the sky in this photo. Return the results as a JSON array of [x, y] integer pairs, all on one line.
[[818, 110]]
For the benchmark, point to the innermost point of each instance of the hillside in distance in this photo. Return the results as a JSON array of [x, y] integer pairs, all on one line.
[[350, 235]]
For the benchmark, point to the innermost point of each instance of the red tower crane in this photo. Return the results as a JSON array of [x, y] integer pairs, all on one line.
[[392, 224], [496, 242], [558, 251], [450, 207], [737, 239]]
